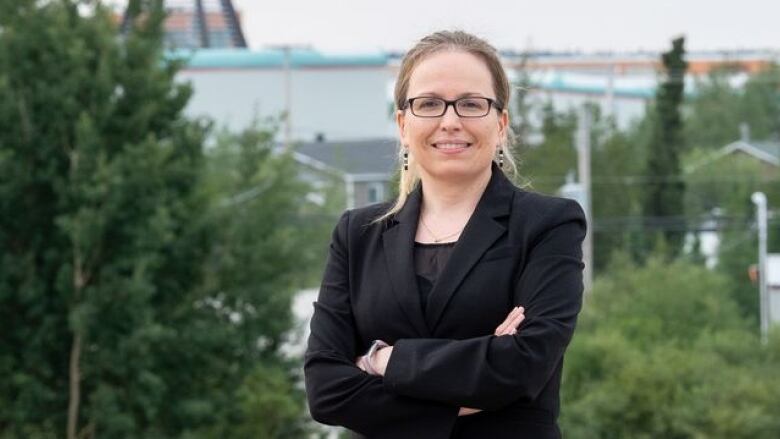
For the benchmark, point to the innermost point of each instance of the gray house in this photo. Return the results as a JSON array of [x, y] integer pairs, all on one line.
[[364, 167], [765, 152]]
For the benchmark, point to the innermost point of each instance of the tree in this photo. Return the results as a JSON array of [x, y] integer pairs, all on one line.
[[661, 351], [134, 300], [617, 159], [717, 109], [665, 190], [546, 165], [761, 104]]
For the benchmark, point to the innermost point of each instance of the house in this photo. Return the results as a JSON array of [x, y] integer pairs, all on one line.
[[767, 153], [365, 168]]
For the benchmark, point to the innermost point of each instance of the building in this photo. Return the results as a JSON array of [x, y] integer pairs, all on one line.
[[365, 168], [767, 153], [773, 287], [322, 95]]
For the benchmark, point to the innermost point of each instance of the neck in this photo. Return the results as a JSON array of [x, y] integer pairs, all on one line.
[[452, 197]]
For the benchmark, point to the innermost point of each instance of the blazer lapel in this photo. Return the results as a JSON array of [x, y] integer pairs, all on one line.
[[398, 242], [481, 231]]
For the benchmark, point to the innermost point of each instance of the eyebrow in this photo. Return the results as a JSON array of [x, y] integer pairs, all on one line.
[[462, 95]]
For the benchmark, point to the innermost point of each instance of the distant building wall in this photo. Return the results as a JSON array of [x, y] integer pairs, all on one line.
[[625, 110], [338, 103]]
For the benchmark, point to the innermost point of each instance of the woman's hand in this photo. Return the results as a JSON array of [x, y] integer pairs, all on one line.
[[512, 321], [378, 361], [381, 358], [465, 411]]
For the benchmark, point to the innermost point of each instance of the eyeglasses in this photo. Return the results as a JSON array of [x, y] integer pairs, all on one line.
[[464, 107]]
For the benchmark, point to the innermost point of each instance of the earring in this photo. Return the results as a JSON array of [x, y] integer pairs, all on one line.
[[501, 157], [406, 159]]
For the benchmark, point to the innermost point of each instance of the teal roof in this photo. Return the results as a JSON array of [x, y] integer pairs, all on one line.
[[246, 58]]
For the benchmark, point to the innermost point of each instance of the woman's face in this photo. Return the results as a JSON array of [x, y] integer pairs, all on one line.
[[451, 75]]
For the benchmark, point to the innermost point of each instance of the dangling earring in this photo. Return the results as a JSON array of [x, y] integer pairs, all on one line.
[[406, 159], [500, 157]]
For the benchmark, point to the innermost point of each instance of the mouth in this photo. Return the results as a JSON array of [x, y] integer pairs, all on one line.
[[451, 146]]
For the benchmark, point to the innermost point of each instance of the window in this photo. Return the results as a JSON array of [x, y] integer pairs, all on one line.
[[376, 192]]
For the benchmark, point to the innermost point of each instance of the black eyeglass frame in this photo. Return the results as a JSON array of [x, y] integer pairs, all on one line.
[[491, 104]]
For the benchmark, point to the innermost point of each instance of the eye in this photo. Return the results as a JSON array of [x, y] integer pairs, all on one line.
[[473, 104], [428, 103]]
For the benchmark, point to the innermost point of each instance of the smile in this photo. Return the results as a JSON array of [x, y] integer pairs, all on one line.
[[451, 145]]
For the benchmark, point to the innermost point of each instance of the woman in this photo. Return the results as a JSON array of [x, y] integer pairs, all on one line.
[[455, 328]]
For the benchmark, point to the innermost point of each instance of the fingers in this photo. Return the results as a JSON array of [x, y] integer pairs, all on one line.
[[361, 363], [465, 411], [511, 322], [512, 330], [500, 330]]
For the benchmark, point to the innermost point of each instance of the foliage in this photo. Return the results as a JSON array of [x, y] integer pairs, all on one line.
[[717, 108], [663, 193], [138, 296], [661, 351], [544, 167]]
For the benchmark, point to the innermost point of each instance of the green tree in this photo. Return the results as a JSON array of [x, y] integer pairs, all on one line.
[[664, 191], [720, 187], [616, 162], [712, 112], [136, 299], [661, 351], [760, 104], [717, 109], [545, 166]]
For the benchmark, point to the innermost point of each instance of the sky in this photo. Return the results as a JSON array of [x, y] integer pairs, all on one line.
[[367, 26], [589, 26]]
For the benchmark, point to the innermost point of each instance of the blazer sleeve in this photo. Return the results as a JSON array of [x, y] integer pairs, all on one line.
[[340, 393], [494, 371]]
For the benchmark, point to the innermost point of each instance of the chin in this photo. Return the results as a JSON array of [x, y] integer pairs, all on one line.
[[453, 170]]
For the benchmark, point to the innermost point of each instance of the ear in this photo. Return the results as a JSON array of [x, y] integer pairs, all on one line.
[[400, 121], [503, 125]]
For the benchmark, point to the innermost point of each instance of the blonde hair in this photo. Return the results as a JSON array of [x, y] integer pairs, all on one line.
[[429, 45]]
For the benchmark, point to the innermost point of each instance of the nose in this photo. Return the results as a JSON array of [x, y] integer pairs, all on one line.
[[450, 119]]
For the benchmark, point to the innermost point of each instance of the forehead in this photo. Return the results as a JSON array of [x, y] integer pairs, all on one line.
[[451, 73]]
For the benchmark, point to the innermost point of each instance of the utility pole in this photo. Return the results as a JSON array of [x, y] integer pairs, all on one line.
[[610, 93], [287, 72], [287, 97], [583, 168], [759, 199]]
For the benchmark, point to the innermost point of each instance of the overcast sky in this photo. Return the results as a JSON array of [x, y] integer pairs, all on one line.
[[357, 26], [369, 25]]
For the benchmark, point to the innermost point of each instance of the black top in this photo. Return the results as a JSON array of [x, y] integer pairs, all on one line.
[[429, 261]]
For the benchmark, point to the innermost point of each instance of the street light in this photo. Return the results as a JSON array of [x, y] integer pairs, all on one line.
[[759, 199]]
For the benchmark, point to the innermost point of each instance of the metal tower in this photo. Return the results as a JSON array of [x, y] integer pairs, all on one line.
[[192, 24]]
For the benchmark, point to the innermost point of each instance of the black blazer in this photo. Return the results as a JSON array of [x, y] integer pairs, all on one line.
[[518, 248]]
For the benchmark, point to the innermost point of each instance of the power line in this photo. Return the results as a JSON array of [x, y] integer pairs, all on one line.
[[677, 223], [642, 179]]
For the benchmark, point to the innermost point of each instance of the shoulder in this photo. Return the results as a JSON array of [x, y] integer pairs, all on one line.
[[362, 218], [542, 212]]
